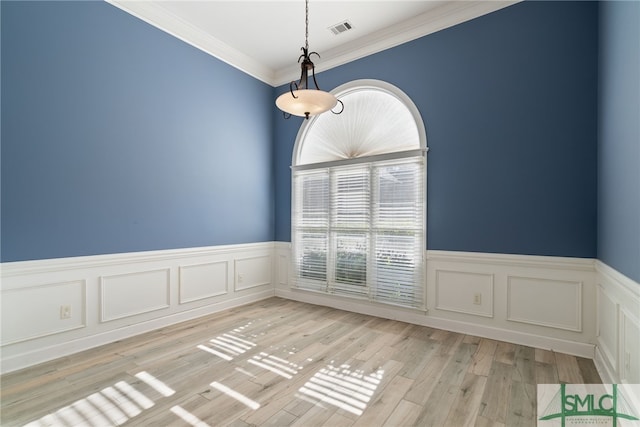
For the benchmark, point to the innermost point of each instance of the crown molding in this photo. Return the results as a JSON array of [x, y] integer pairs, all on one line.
[[154, 14], [448, 15], [445, 16]]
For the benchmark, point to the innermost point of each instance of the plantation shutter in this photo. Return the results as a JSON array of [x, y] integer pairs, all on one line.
[[310, 220], [358, 230], [350, 216], [398, 236], [358, 205]]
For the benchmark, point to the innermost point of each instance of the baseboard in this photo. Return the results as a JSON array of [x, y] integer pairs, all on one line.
[[539, 301], [40, 355], [590, 310], [53, 308], [607, 374], [422, 318]]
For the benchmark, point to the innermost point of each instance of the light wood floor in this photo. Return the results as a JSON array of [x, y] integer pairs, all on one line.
[[280, 363]]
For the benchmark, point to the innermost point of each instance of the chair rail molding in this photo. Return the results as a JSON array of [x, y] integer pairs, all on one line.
[[55, 307]]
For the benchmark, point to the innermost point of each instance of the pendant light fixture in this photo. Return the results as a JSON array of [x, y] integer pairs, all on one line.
[[301, 100]]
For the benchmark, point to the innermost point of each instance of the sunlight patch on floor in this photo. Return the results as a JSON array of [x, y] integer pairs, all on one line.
[[111, 406], [214, 352], [275, 364], [188, 417], [155, 383], [342, 387], [235, 395], [228, 345]]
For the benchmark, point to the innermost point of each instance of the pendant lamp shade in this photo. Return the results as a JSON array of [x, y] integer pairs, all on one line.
[[302, 100], [306, 102]]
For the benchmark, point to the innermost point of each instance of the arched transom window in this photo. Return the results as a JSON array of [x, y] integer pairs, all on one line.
[[358, 214]]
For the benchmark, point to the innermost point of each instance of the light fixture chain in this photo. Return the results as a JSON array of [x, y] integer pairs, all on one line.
[[306, 23], [302, 100]]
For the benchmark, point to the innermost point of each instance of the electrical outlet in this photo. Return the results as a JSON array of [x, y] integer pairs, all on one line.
[[65, 312], [477, 299]]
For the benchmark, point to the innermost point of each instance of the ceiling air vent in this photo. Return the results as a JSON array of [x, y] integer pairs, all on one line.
[[341, 27]]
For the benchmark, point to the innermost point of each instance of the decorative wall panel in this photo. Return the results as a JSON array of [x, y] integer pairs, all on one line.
[[202, 281], [37, 311], [545, 302], [125, 295], [464, 292]]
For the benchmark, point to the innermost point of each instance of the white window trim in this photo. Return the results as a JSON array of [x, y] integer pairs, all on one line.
[[351, 87], [355, 86]]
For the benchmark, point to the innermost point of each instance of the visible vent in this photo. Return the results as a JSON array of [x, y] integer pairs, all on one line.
[[341, 27]]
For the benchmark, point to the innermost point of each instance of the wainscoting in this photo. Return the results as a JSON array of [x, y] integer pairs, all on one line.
[[618, 326], [53, 308], [543, 302], [570, 305]]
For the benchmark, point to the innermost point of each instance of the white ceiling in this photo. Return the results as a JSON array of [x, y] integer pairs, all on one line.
[[263, 38]]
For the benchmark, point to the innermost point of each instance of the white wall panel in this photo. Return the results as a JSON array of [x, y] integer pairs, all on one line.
[[630, 348], [453, 279], [130, 294], [116, 296], [618, 340], [283, 270], [545, 302], [464, 292], [202, 281], [34, 312], [252, 272], [607, 332], [127, 286]]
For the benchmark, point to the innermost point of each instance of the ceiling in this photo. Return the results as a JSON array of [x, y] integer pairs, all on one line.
[[263, 38]]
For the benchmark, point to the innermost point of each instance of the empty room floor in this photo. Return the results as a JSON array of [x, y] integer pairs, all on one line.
[[279, 362]]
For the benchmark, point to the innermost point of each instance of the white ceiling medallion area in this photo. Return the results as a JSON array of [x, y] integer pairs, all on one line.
[[260, 37]]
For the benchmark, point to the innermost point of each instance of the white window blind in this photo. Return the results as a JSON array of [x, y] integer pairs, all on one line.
[[358, 230], [358, 214]]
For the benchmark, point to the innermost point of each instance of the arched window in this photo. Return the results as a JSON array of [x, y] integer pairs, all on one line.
[[358, 208]]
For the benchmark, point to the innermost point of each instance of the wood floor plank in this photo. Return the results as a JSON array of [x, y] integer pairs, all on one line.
[[449, 341], [404, 414], [458, 366], [522, 405], [568, 369], [497, 392], [467, 404], [505, 353], [280, 362], [546, 373], [524, 365], [588, 371], [426, 382], [436, 409], [282, 418], [486, 422], [544, 356], [383, 405], [483, 357], [415, 355], [338, 420], [318, 415]]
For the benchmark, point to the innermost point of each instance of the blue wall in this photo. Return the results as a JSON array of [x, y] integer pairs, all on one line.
[[619, 138], [509, 102], [118, 137]]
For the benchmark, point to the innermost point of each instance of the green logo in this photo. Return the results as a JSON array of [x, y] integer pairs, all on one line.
[[581, 403]]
